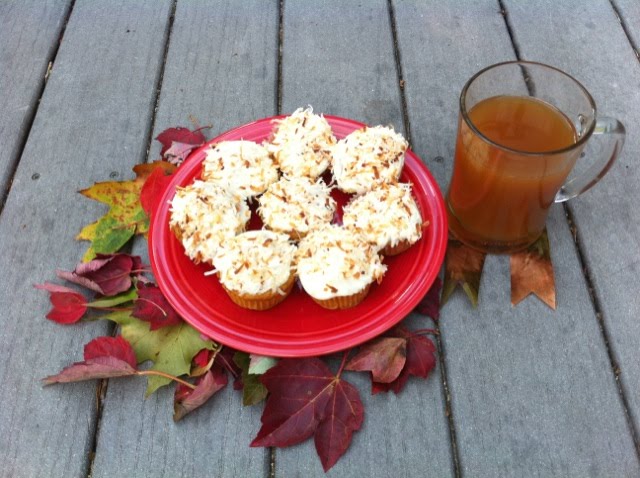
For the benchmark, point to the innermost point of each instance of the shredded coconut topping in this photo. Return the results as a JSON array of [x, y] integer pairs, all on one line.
[[302, 144], [336, 262], [296, 205], [204, 214], [243, 167], [367, 158], [255, 262], [385, 216]]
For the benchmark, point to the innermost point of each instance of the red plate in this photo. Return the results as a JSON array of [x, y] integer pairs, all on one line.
[[297, 327]]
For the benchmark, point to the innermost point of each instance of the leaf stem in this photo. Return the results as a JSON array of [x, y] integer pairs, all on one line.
[[166, 375], [426, 332], [154, 304], [112, 309], [343, 363]]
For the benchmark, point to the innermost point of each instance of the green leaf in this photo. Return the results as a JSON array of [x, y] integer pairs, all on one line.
[[259, 364], [122, 298], [171, 349], [253, 391]]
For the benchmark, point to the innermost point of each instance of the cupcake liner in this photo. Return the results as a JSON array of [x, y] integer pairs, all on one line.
[[343, 302], [263, 301], [400, 247]]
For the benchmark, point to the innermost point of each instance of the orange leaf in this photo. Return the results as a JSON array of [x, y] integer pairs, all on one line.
[[532, 272]]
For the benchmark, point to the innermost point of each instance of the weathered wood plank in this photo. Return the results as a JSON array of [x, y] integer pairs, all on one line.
[[532, 390], [338, 57], [629, 11], [607, 218], [92, 121], [29, 32], [221, 69]]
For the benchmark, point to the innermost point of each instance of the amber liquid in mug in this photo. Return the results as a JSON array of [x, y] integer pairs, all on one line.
[[498, 200]]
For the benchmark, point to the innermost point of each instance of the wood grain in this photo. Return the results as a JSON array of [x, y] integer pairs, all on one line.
[[91, 122], [532, 390]]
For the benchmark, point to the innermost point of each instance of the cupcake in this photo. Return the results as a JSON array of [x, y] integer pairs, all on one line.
[[301, 144], [367, 158], [256, 268], [202, 215], [388, 217], [336, 267], [296, 205], [243, 167]]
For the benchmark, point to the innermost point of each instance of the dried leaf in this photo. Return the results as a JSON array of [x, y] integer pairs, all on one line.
[[430, 303], [253, 391], [384, 357], [179, 135], [151, 306], [463, 266], [107, 274], [104, 357], [186, 400], [68, 305], [125, 216], [532, 272], [178, 152]]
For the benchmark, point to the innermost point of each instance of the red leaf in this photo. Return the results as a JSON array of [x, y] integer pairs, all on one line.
[[107, 274], [202, 358], [186, 400], [68, 305], [430, 303], [383, 357], [104, 357], [345, 414], [178, 152], [179, 135], [153, 189], [151, 306], [305, 398], [421, 360], [116, 347]]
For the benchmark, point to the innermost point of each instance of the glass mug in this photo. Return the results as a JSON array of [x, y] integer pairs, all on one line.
[[522, 127]]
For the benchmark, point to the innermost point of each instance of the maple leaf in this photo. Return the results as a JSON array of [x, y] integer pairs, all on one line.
[[462, 266], [384, 357], [430, 303], [104, 357], [186, 400], [68, 305], [253, 391], [532, 273], [125, 216], [152, 190], [170, 348], [151, 306], [107, 274], [305, 398], [177, 143], [420, 361]]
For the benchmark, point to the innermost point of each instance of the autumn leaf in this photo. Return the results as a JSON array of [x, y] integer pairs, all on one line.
[[253, 390], [125, 216], [177, 143], [104, 357], [430, 303], [420, 361], [462, 266], [259, 364], [306, 399], [384, 357], [532, 273], [151, 306], [186, 400], [68, 305], [171, 349], [107, 274]]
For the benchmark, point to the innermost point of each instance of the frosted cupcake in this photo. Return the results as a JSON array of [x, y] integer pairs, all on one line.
[[367, 158], [336, 267], [296, 205], [243, 167], [256, 268], [301, 144], [203, 215], [388, 217]]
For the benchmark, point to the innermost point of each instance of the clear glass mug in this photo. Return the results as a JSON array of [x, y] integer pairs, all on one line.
[[522, 127]]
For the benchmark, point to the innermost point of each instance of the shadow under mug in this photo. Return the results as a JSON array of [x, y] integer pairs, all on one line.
[[500, 194]]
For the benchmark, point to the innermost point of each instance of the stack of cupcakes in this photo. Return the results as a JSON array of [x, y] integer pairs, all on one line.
[[336, 264]]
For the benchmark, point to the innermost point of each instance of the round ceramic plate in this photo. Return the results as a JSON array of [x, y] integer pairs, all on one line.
[[297, 327]]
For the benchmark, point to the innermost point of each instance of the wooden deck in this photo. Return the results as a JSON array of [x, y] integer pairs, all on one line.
[[518, 392]]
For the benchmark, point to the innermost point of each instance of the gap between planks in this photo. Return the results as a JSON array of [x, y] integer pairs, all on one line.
[[575, 233], [625, 28]]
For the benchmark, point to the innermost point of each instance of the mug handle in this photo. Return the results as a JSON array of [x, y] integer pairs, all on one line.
[[616, 134]]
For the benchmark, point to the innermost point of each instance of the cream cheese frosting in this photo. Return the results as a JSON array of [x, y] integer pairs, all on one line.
[[302, 143], [205, 214], [296, 205], [243, 167], [336, 262], [255, 262], [385, 216], [368, 157]]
